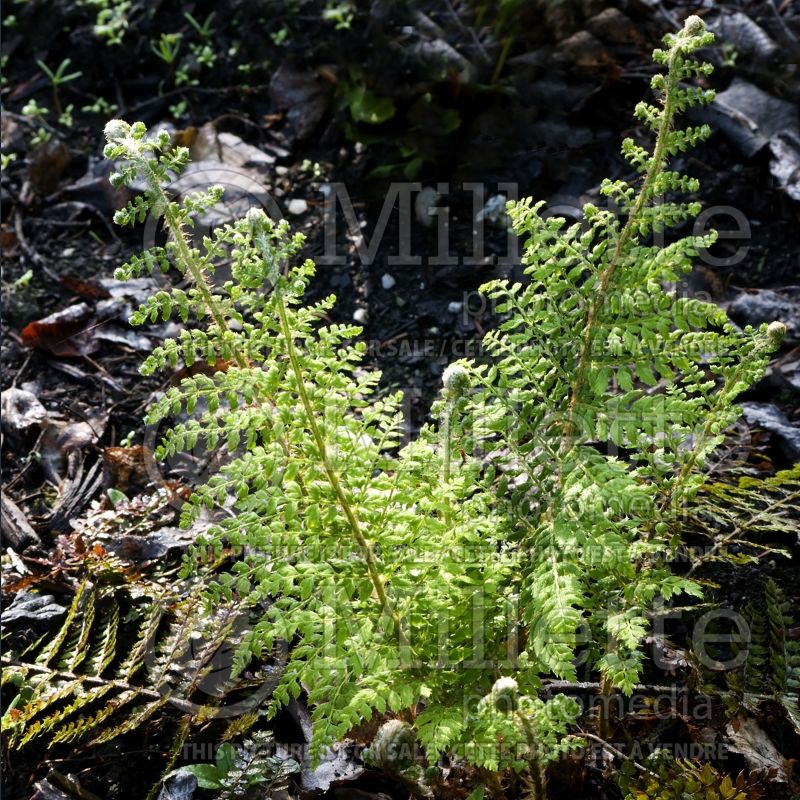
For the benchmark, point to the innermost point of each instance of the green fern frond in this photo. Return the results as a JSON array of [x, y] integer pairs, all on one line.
[[594, 355], [105, 647], [110, 678], [770, 666], [742, 518], [79, 729], [76, 647], [53, 647], [667, 778], [82, 697]]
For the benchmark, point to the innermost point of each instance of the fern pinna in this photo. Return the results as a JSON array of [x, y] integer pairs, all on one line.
[[409, 581], [735, 517]]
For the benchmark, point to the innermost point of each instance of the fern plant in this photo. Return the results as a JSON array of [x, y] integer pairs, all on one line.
[[411, 581], [596, 354], [245, 772], [387, 571]]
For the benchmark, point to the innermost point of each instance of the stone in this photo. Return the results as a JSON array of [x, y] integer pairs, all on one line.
[[297, 206]]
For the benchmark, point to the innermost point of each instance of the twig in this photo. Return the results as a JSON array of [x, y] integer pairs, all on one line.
[[617, 752], [18, 373], [29, 252], [589, 686], [103, 374], [468, 29], [784, 27]]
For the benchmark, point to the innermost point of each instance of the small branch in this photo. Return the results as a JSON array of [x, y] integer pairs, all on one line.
[[594, 686], [30, 253], [617, 752]]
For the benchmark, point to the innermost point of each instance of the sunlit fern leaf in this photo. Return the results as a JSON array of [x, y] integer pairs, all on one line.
[[605, 398], [82, 698], [99, 677], [256, 772], [134, 661], [80, 728], [666, 778], [140, 715], [105, 646], [45, 695], [76, 648], [784, 653]]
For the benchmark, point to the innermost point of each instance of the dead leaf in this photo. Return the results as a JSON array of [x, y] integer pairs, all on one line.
[[584, 51], [785, 162], [769, 417], [21, 411], [746, 737], [66, 333], [89, 289], [16, 529], [127, 338], [736, 29], [8, 239], [62, 438], [244, 187], [94, 189], [126, 466], [151, 546], [46, 166], [613, 27], [303, 95], [749, 116]]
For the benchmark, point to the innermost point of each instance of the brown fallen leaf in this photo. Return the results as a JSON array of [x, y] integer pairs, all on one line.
[[66, 333], [46, 165], [126, 466], [746, 737], [91, 290], [60, 439], [8, 239]]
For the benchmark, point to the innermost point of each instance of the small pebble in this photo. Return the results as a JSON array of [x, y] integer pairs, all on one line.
[[388, 281], [281, 170], [425, 206], [297, 206], [360, 316], [455, 307]]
